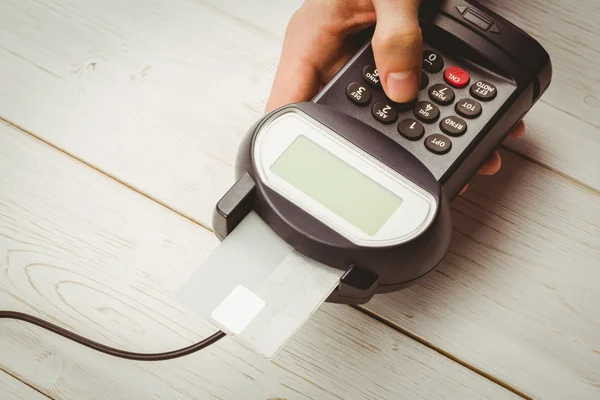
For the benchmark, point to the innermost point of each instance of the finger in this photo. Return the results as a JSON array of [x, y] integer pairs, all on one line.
[[397, 46], [464, 189], [491, 165], [297, 78], [518, 130]]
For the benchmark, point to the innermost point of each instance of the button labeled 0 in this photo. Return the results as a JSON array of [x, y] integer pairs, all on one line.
[[371, 76]]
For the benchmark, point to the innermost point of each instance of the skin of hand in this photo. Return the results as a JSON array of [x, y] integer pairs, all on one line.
[[322, 36]]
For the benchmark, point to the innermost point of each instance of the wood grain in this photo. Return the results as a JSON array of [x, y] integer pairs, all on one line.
[[517, 296], [83, 251], [13, 389], [557, 140], [563, 131], [569, 31], [141, 89]]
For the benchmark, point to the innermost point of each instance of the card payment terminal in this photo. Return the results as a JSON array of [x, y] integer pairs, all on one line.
[[362, 184], [348, 195]]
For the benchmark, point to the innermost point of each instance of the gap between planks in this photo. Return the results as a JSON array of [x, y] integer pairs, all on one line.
[[554, 171], [2, 370], [440, 351], [365, 311]]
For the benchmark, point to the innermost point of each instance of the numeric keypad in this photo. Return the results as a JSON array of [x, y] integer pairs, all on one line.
[[441, 104]]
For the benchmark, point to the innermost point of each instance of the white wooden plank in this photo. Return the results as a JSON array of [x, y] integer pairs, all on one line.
[[13, 389], [121, 83], [81, 250], [569, 31], [517, 296], [564, 130], [159, 94], [562, 143]]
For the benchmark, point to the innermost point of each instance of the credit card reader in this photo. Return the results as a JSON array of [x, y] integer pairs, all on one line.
[[362, 184], [348, 195]]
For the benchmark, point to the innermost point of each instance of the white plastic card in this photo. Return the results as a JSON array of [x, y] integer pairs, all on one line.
[[257, 288]]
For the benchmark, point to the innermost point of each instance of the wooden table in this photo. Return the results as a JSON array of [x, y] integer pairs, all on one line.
[[120, 122]]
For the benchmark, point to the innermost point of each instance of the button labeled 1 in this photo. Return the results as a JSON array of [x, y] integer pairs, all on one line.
[[411, 129]]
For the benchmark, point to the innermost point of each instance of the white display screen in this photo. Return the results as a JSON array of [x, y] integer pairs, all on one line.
[[336, 185]]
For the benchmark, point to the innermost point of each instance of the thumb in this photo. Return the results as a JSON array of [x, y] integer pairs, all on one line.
[[397, 46]]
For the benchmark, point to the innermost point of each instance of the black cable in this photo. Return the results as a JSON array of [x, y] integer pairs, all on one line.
[[169, 355]]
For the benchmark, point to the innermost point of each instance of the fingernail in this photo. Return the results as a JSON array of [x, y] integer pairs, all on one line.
[[402, 86]]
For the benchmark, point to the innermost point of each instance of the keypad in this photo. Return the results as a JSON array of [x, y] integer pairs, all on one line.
[[438, 103]]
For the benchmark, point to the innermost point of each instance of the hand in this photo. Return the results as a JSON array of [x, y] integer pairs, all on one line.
[[321, 38]]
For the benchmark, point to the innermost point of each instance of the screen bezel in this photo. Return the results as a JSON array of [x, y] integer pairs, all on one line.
[[414, 214]]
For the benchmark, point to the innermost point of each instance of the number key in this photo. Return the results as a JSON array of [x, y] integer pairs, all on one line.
[[358, 93], [432, 61], [411, 129], [384, 113], [426, 111], [441, 94], [371, 76]]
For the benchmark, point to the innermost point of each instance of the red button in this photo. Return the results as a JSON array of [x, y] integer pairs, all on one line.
[[457, 77]]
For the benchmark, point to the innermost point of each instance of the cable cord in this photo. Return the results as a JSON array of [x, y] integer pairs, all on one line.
[[169, 355]]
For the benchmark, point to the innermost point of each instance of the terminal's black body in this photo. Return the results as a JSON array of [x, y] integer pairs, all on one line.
[[502, 54], [463, 34]]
